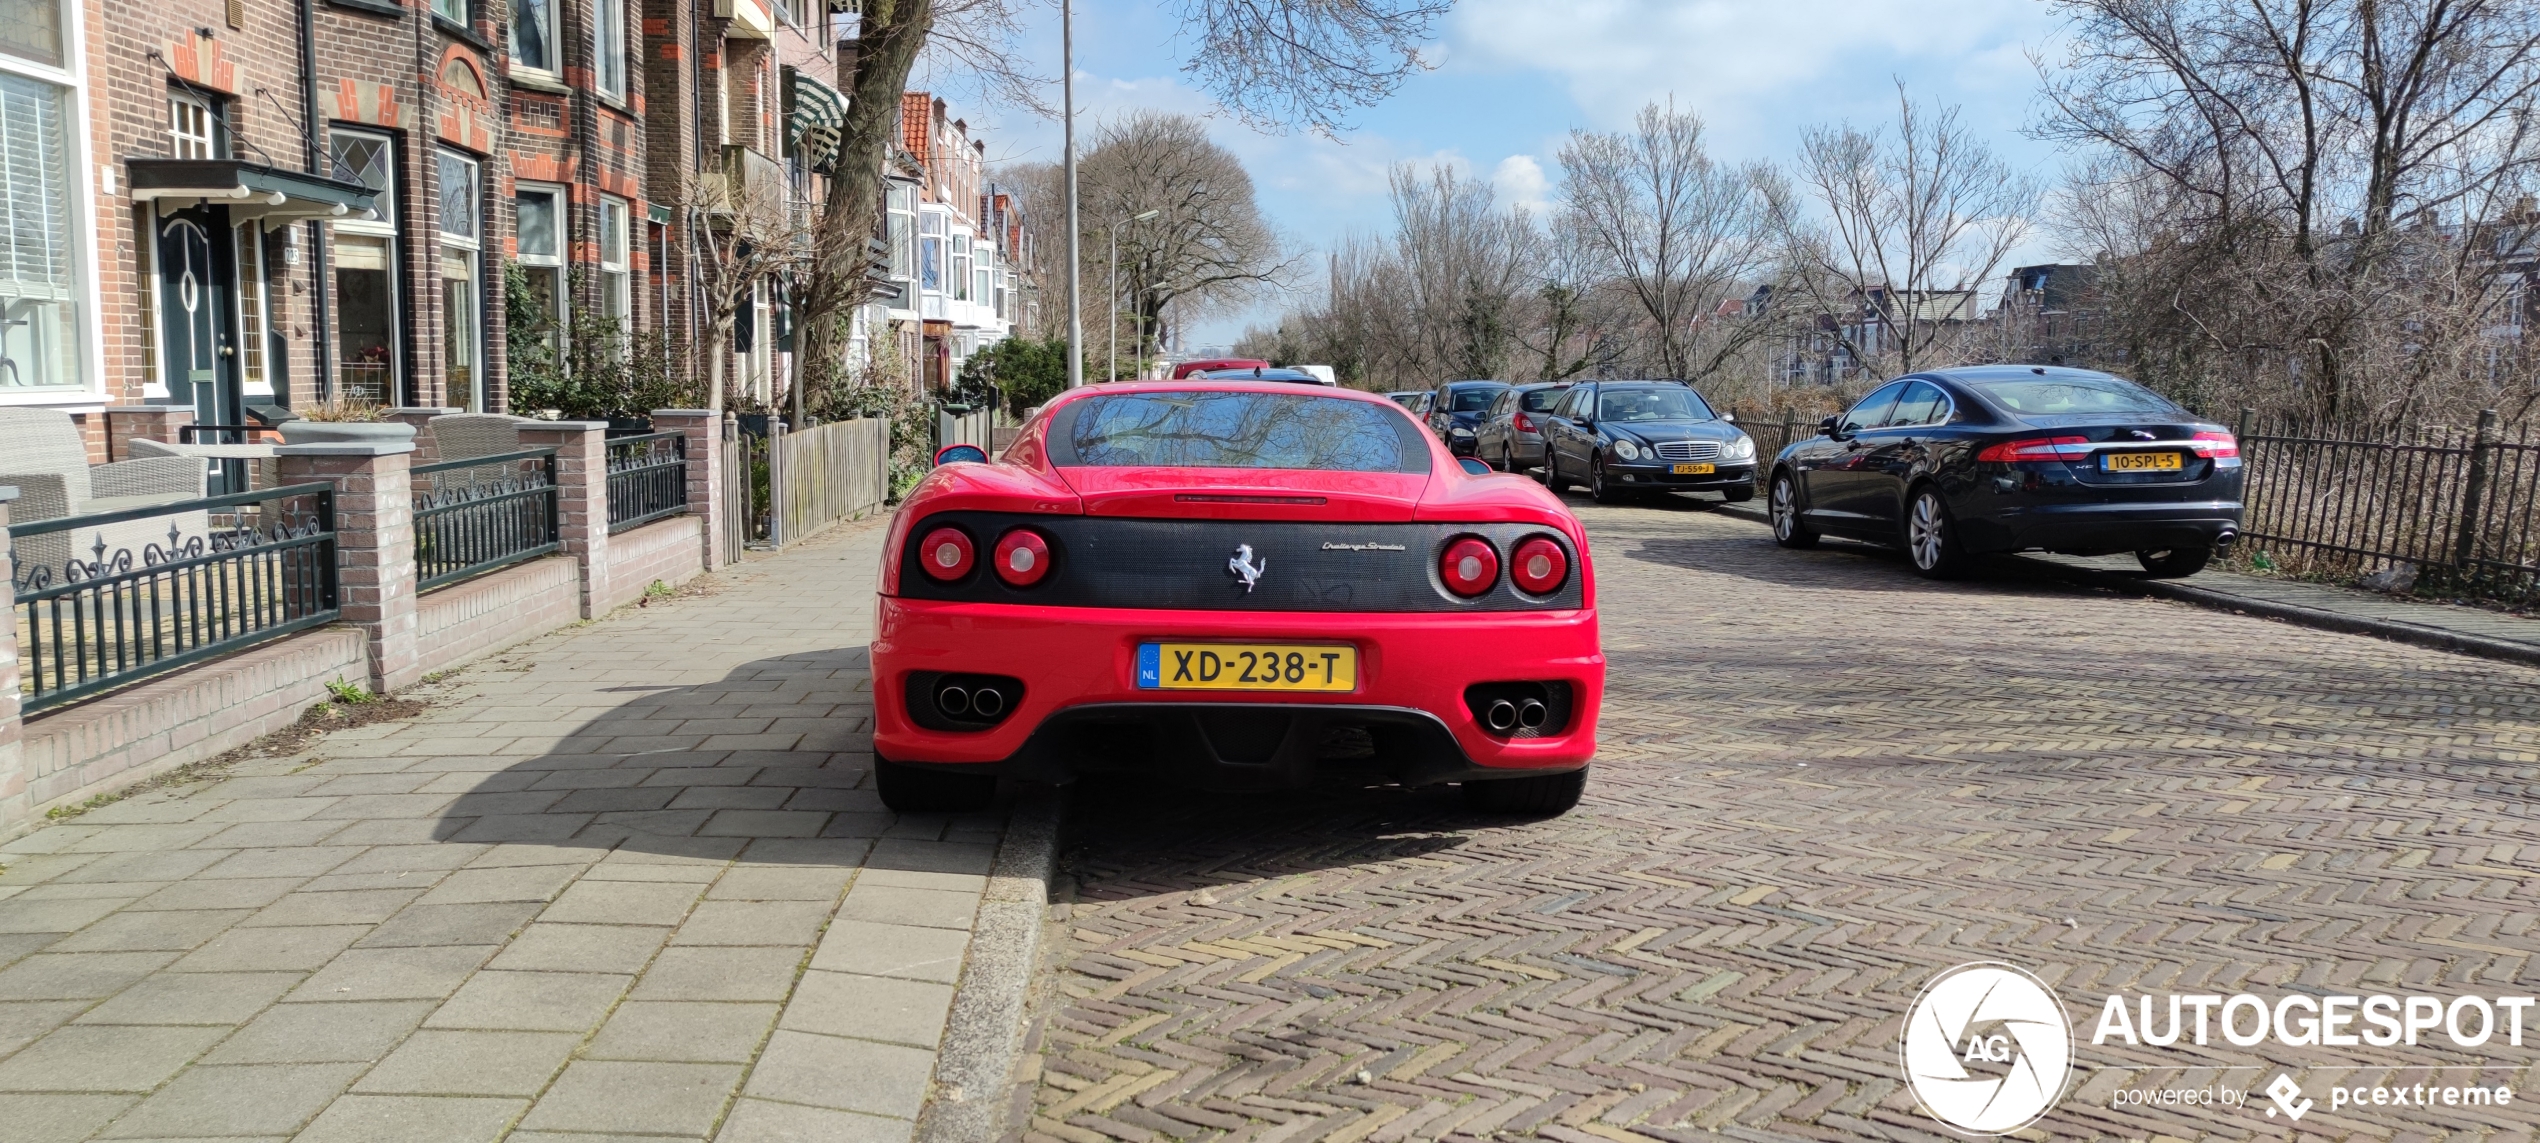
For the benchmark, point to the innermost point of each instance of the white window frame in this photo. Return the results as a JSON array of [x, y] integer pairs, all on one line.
[[194, 126], [552, 67], [930, 236], [254, 310], [608, 48], [617, 298], [382, 227], [463, 17], [87, 386], [552, 266], [471, 245]]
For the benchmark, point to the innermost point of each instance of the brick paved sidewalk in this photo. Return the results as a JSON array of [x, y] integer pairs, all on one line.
[[626, 879]]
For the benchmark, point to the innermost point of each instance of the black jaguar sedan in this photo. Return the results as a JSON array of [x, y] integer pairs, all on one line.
[[1622, 438], [2005, 458]]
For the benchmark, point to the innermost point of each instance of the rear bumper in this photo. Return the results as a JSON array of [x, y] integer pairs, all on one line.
[[1081, 710], [2101, 529]]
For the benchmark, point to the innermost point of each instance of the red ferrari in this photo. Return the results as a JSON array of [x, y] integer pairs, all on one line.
[[1237, 586]]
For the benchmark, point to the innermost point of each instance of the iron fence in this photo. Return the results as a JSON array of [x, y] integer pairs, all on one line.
[[743, 457], [2462, 507], [235, 571], [648, 478], [481, 513]]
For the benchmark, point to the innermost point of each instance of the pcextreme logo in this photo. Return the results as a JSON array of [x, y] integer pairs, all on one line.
[[1987, 1048]]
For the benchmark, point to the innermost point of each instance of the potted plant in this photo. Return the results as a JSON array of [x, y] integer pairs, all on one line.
[[342, 421]]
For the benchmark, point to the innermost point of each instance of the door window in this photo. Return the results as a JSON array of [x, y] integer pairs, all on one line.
[[1922, 404], [253, 314], [1873, 409]]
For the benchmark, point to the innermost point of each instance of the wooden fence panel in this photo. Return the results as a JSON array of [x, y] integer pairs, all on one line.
[[824, 474]]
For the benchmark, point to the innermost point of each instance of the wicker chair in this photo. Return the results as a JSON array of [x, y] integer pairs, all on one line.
[[55, 480], [262, 472]]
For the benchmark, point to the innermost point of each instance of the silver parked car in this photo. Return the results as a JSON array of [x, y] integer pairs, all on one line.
[[1510, 437]]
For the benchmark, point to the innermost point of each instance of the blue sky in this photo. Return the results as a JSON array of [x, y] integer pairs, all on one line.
[[1515, 76]]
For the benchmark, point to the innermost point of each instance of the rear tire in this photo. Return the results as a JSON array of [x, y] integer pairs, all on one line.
[[1508, 459], [922, 790], [1931, 537], [1548, 796], [1787, 530], [2174, 563]]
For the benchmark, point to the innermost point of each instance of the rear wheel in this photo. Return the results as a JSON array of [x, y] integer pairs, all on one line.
[[924, 790], [1787, 530], [1931, 537], [2174, 563], [1550, 795], [1508, 459]]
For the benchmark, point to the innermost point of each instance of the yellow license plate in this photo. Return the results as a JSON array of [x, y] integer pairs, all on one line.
[[2139, 462], [1695, 469], [1247, 667]]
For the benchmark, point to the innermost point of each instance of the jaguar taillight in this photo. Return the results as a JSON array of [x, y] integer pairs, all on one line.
[[1022, 557], [1469, 566], [946, 554], [2215, 446], [1539, 566], [2037, 449]]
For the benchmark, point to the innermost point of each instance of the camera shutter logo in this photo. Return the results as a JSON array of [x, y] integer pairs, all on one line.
[[2002, 1017]]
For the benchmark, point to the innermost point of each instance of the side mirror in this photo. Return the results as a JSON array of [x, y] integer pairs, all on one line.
[[960, 454], [1472, 467], [1829, 427]]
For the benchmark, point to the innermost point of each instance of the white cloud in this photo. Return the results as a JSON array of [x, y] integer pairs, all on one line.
[[1519, 181]]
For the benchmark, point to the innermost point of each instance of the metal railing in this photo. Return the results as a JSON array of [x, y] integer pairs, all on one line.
[[741, 455], [2462, 506], [235, 571], [477, 514], [648, 479]]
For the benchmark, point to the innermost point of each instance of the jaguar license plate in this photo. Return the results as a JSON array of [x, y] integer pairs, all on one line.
[[1247, 667], [2140, 462], [1695, 469]]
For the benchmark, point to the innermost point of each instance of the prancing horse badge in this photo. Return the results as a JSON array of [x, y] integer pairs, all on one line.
[[1246, 568]]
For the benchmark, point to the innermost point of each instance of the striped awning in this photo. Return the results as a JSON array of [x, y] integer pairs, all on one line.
[[814, 115]]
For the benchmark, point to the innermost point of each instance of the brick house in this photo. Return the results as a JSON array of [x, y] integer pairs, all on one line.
[[249, 207]]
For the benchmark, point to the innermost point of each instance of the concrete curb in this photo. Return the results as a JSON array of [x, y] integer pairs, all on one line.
[[2437, 638], [983, 1035]]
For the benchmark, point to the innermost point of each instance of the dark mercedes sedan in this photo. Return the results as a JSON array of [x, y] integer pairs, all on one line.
[[2006, 458], [1625, 437]]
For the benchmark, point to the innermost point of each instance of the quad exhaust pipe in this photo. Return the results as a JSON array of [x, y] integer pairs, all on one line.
[[1501, 716], [1531, 714]]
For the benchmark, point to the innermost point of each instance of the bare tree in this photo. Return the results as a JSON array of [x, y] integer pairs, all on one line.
[[1677, 231], [745, 236], [1462, 267], [2319, 200], [1894, 234], [1207, 243]]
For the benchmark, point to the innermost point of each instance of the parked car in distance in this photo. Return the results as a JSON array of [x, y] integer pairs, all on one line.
[[1211, 365], [1510, 437], [1456, 409], [1235, 585], [1623, 438], [1261, 373], [1324, 373], [1415, 400], [2004, 458]]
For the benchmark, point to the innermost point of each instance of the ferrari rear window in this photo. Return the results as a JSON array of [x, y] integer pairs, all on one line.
[[1239, 430], [2076, 395]]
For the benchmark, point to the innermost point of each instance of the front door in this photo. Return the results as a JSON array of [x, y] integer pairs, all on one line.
[[197, 289]]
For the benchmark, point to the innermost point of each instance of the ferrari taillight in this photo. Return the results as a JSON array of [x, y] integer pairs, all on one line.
[[946, 554], [1539, 566], [1022, 557], [2215, 446], [1469, 566], [2038, 448]]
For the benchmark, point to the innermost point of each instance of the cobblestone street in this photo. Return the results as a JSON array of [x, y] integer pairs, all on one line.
[[1823, 781]]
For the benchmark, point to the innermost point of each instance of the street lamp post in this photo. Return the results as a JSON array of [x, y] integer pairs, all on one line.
[[1111, 338], [1075, 285]]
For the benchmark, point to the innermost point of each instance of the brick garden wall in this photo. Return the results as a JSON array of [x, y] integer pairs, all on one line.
[[664, 550], [477, 617]]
